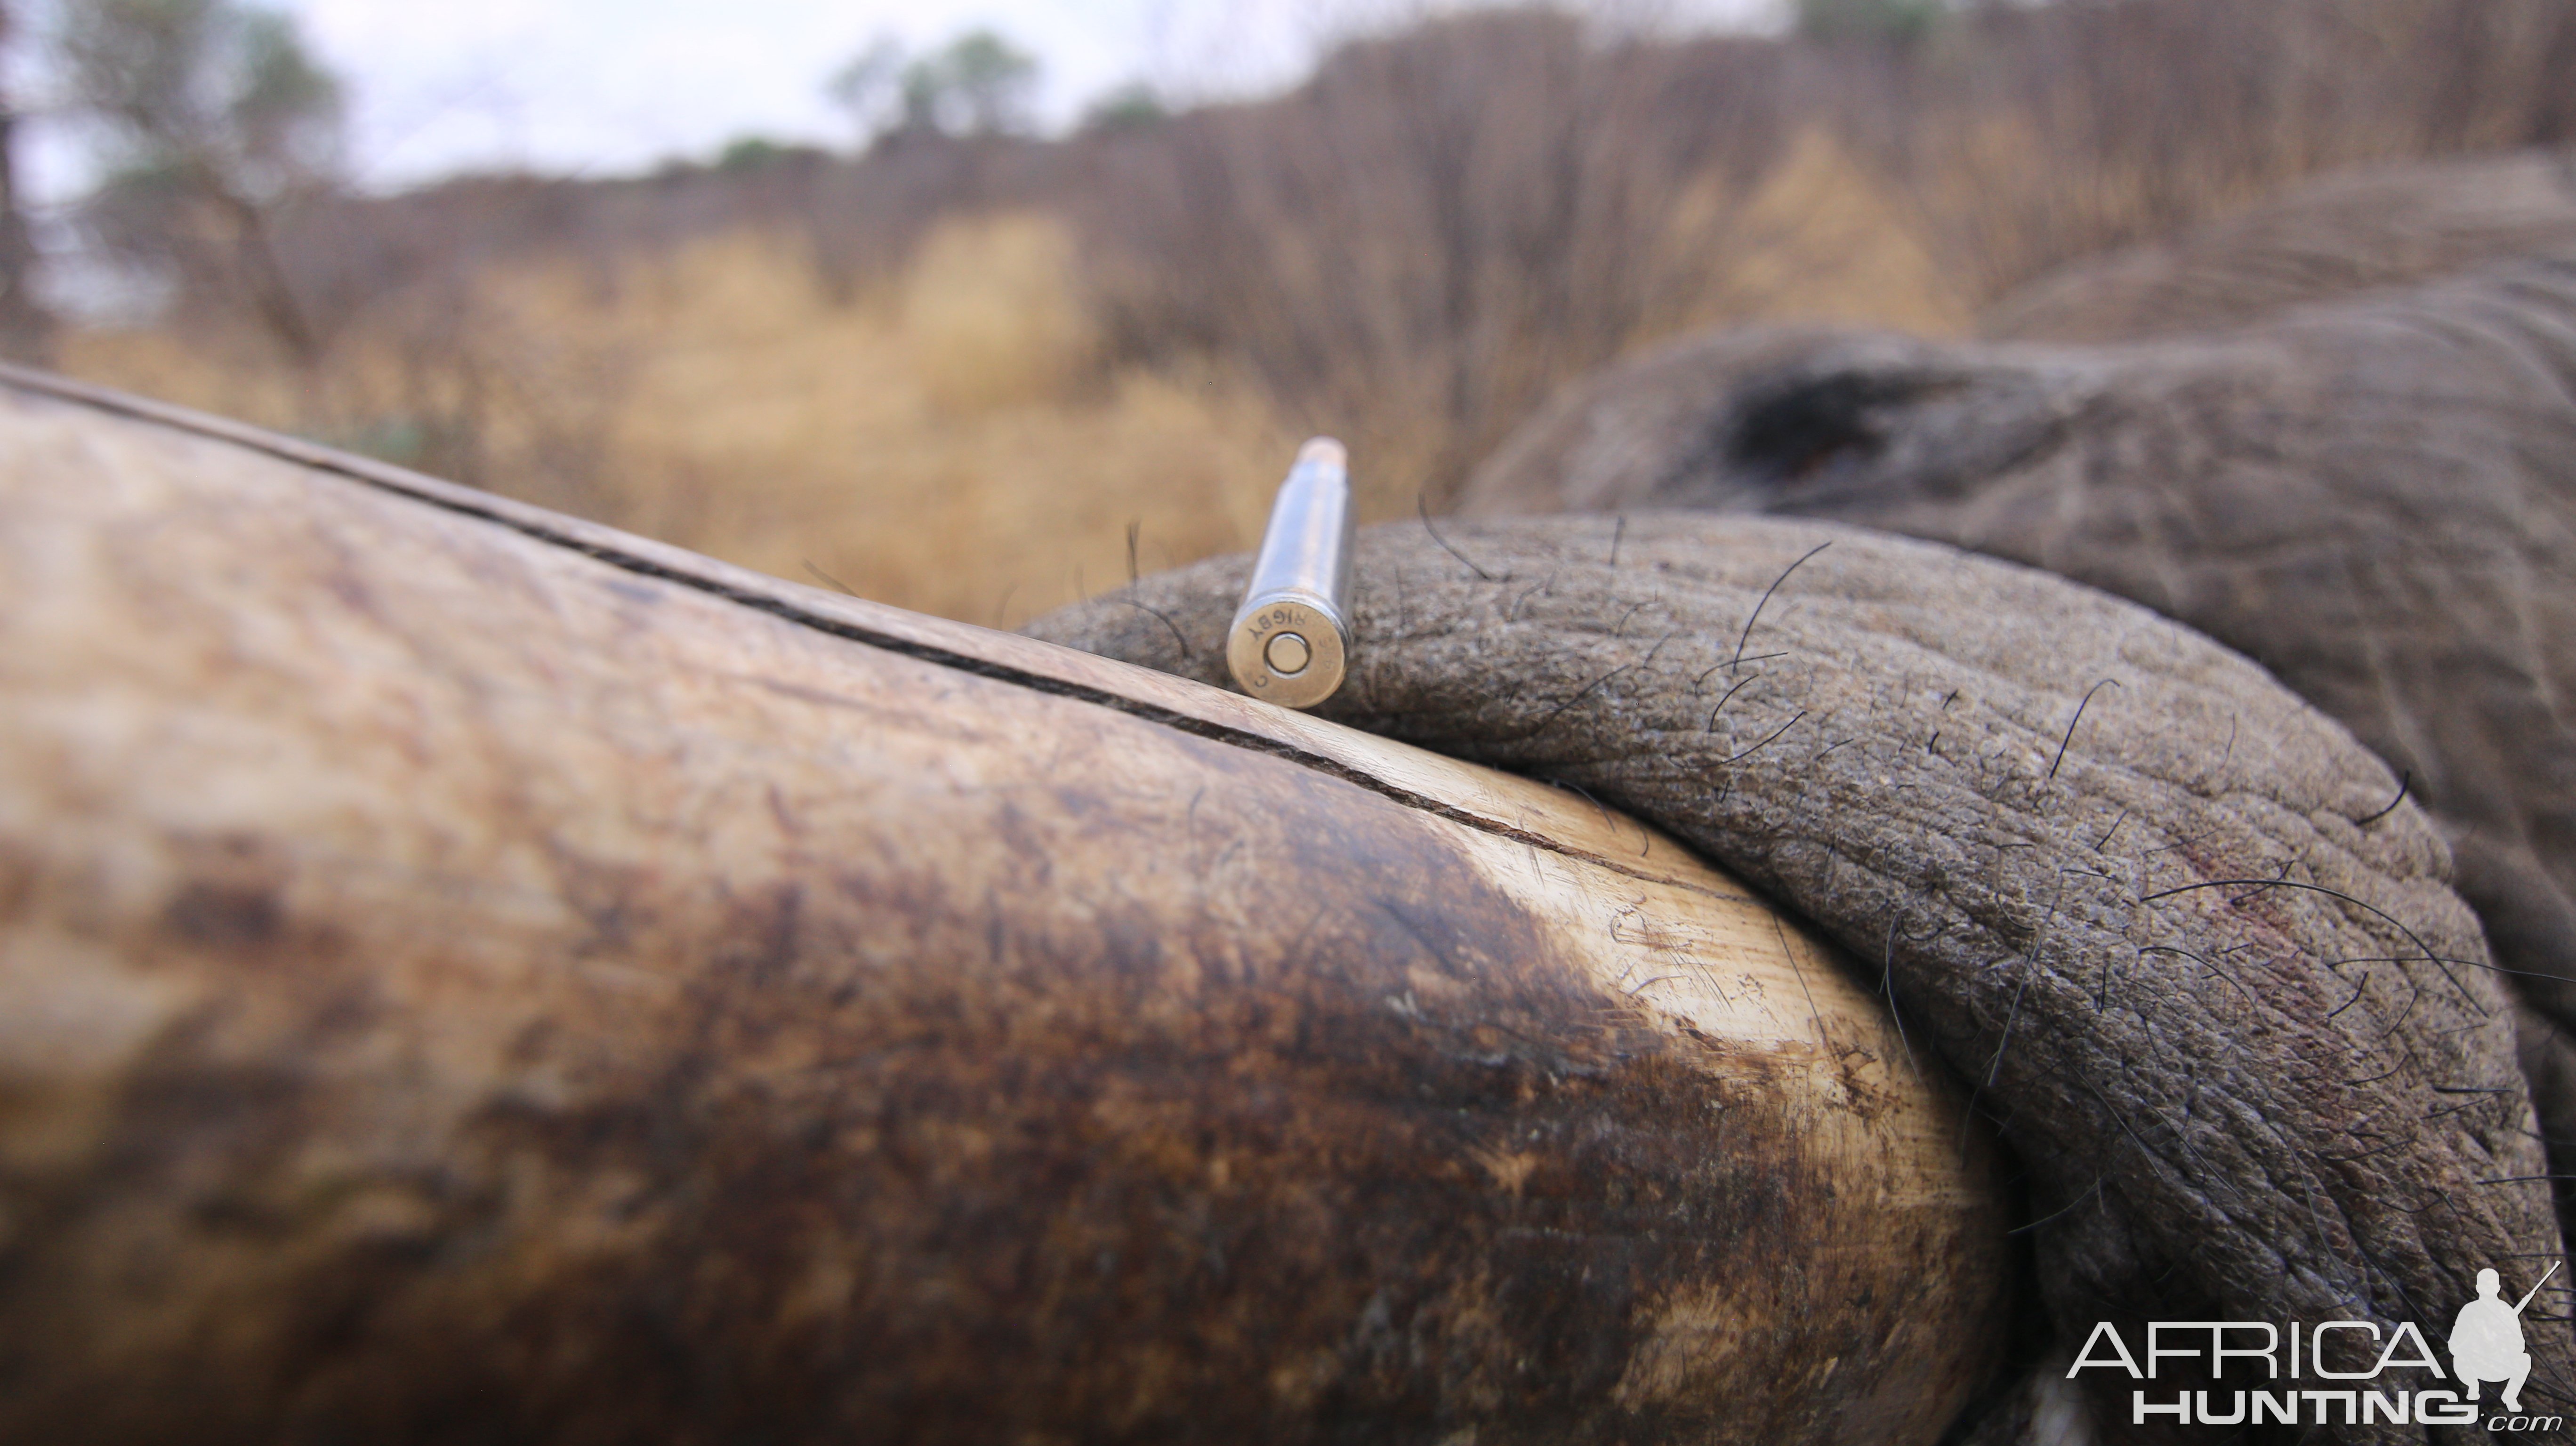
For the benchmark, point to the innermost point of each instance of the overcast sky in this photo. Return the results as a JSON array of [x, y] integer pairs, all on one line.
[[616, 85], [607, 86]]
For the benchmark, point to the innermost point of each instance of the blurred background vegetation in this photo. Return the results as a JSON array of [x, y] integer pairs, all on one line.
[[958, 366]]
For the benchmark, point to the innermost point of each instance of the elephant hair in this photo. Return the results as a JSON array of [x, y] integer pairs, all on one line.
[[2191, 940], [2375, 498], [2156, 911]]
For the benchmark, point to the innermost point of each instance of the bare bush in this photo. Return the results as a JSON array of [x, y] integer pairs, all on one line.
[[1444, 225], [2030, 136], [1436, 230], [1412, 249]]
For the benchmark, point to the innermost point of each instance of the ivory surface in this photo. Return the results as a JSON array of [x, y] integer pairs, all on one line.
[[470, 974]]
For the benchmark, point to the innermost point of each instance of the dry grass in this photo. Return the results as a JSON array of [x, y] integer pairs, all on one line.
[[1839, 245], [946, 444], [956, 375], [951, 441]]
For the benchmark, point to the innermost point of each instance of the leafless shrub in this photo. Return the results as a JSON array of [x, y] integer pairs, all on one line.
[[1438, 228], [1444, 224], [2028, 136]]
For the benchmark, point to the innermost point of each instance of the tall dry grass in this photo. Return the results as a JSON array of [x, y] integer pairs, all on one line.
[[2026, 136], [958, 375], [947, 442], [1445, 225]]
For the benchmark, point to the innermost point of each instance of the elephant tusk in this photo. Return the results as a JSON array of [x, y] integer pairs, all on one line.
[[463, 969]]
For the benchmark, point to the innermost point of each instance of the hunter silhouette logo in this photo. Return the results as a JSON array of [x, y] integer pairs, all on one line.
[[2486, 1345], [2486, 1341]]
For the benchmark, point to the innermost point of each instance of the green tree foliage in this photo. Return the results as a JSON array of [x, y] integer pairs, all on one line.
[[1900, 22], [222, 92], [980, 83], [213, 119], [745, 154], [26, 327], [866, 86], [977, 85], [1128, 107]]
